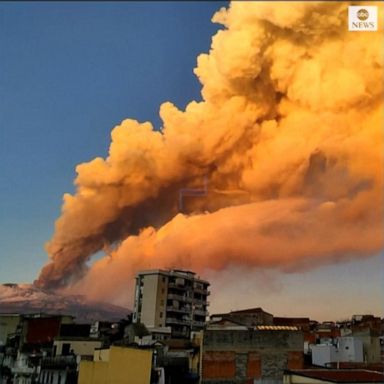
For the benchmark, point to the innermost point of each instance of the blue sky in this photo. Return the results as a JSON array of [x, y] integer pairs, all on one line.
[[71, 71]]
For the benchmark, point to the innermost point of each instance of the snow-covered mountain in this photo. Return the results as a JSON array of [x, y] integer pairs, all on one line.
[[26, 298]]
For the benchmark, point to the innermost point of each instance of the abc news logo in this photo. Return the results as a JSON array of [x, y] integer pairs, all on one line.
[[362, 18]]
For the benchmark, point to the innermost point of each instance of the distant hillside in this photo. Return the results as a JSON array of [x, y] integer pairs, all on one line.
[[26, 298]]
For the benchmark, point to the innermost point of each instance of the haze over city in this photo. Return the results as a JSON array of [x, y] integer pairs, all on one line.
[[248, 150]]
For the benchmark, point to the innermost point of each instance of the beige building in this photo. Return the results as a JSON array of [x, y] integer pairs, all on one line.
[[82, 346], [235, 353], [175, 299], [371, 345]]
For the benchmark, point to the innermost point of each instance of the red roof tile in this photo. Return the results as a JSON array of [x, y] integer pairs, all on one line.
[[342, 376]]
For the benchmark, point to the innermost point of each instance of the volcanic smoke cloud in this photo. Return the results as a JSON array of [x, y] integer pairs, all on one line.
[[287, 139]]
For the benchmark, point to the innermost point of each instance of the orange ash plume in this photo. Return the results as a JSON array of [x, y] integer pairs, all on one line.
[[288, 137]]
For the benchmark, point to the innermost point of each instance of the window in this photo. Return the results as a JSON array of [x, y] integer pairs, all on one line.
[[161, 315]]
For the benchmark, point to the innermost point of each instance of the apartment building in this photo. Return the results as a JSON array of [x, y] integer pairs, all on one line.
[[174, 299]]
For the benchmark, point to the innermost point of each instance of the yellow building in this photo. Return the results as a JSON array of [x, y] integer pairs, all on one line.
[[117, 365]]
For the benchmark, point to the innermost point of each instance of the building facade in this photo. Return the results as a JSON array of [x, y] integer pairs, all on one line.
[[117, 365], [175, 299], [344, 349], [235, 353]]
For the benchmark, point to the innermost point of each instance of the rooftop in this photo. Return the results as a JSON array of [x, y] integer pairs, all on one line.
[[250, 310], [341, 375], [290, 320], [228, 325], [172, 272], [276, 328]]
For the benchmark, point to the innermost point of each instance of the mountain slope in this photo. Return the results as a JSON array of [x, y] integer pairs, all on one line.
[[26, 298]]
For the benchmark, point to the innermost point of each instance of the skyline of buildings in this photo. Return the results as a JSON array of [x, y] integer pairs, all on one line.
[[169, 338]]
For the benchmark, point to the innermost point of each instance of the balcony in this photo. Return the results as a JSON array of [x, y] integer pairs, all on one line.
[[172, 296], [202, 291], [173, 320], [178, 310], [199, 324], [201, 302], [23, 370], [181, 287], [200, 312], [58, 362], [183, 334]]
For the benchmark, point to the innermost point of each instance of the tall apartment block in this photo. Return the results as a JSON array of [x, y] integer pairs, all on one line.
[[176, 299]]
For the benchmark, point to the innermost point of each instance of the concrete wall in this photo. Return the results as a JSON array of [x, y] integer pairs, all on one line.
[[238, 356], [153, 301], [92, 372], [219, 365], [323, 354], [132, 364], [222, 339], [371, 348], [79, 347], [348, 349], [125, 366], [101, 354], [252, 319]]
